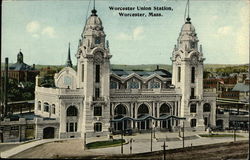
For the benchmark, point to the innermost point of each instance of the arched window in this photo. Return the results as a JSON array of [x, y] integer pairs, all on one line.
[[120, 110], [72, 111], [206, 107], [142, 110], [46, 107], [193, 123], [193, 108], [53, 108], [39, 105], [98, 127], [164, 109]]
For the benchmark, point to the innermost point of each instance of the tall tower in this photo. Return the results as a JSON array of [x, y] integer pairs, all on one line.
[[93, 69], [187, 63]]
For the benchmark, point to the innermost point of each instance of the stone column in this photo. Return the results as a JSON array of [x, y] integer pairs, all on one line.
[[153, 108], [131, 109], [136, 113]]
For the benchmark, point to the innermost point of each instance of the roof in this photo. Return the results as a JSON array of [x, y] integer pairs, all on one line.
[[20, 67], [27, 116], [142, 73], [241, 87], [146, 117]]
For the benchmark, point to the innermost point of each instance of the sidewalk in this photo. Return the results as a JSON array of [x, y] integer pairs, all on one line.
[[25, 146]]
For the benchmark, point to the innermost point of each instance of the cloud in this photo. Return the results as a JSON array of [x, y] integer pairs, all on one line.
[[135, 34], [35, 35], [223, 31], [36, 29], [49, 31], [242, 38], [33, 27]]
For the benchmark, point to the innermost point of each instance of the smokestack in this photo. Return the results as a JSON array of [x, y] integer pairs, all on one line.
[[6, 81], [157, 67]]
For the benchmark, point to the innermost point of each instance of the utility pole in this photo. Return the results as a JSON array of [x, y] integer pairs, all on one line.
[[1, 83], [151, 142], [183, 144], [122, 141], [6, 83], [164, 150], [131, 141], [234, 131]]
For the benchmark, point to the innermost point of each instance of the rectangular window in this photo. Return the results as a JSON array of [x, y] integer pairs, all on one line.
[[98, 111], [179, 74], [97, 73], [82, 72], [97, 92], [193, 108], [193, 75], [75, 127], [71, 127], [192, 94], [67, 127]]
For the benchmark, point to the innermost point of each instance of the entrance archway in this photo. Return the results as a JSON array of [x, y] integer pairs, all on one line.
[[48, 133], [165, 110], [143, 111], [119, 112]]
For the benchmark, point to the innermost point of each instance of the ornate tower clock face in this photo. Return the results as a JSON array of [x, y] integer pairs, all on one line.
[[194, 60], [98, 57]]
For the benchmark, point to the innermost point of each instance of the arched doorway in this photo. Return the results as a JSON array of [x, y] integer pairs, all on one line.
[[142, 112], [119, 112], [48, 133], [165, 111], [71, 119]]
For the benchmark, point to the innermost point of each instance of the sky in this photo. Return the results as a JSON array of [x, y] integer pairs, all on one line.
[[43, 29]]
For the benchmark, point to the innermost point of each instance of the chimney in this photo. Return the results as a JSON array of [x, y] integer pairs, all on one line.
[[157, 67], [6, 81]]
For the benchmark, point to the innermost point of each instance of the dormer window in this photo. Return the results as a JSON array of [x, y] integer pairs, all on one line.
[[97, 40], [134, 85], [154, 84], [113, 85]]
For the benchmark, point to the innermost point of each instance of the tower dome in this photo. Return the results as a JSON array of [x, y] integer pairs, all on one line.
[[93, 34], [187, 37], [93, 23], [188, 27]]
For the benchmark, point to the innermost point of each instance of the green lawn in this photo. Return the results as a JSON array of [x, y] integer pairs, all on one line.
[[104, 144], [219, 135]]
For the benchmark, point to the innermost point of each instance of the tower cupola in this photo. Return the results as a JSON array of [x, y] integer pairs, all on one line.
[[93, 34]]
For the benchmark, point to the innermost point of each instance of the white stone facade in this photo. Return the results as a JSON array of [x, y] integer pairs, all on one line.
[[84, 101]]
